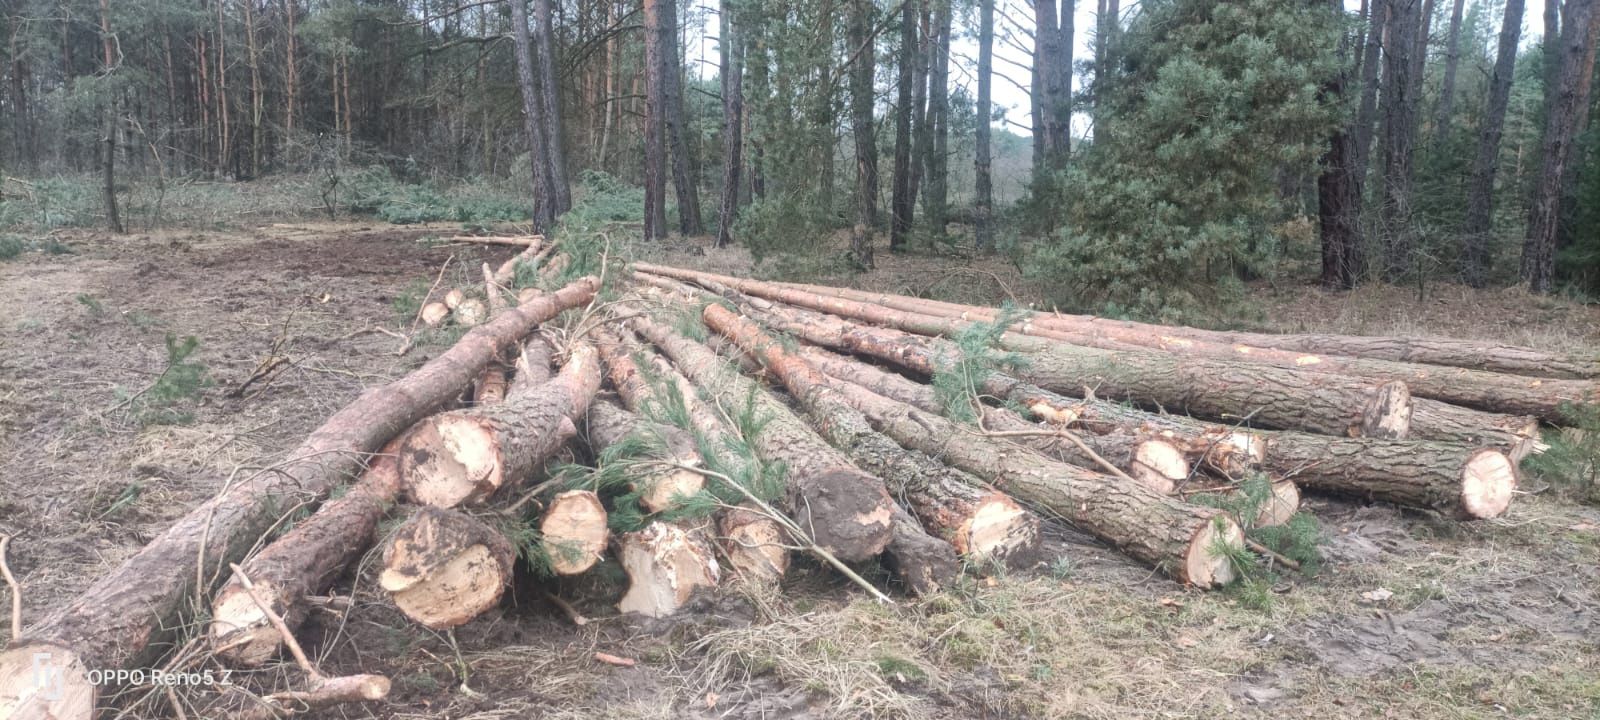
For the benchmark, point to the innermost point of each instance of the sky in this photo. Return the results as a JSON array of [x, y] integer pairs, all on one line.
[[1013, 56]]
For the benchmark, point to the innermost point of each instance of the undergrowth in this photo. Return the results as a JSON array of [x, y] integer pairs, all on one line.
[[169, 399], [1572, 461]]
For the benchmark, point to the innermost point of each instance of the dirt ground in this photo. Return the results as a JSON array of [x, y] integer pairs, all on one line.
[[1411, 616]]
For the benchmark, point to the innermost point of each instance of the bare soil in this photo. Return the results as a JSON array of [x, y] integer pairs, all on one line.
[[1411, 616]]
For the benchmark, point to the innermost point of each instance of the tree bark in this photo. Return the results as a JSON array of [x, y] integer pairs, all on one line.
[[981, 525], [1339, 192], [983, 201], [1454, 479], [846, 511], [731, 47], [1155, 529], [1477, 229], [1052, 88], [938, 161], [902, 201], [1579, 29], [684, 182], [123, 617], [303, 562], [866, 148], [655, 118], [109, 140], [554, 150], [533, 120], [465, 457], [1516, 434], [1399, 138], [610, 425], [442, 568], [1447, 85]]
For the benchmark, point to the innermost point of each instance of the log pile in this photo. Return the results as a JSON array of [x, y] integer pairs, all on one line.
[[698, 429]]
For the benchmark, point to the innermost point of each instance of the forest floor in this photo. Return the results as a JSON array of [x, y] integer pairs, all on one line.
[[1410, 616]]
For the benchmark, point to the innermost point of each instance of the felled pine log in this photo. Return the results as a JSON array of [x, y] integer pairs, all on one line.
[[443, 567], [466, 456], [1500, 392], [980, 523], [847, 512], [1445, 352], [122, 615]]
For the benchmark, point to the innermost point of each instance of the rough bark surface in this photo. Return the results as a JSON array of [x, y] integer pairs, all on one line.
[[1451, 478], [609, 424], [1517, 435]]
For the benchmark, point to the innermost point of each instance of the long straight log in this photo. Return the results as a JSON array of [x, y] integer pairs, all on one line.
[[847, 512], [1517, 435], [466, 456], [1458, 480], [1267, 396], [302, 563], [113, 622], [1444, 352], [976, 520]]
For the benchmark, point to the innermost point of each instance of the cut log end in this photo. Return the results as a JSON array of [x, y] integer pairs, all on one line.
[[1388, 416], [1000, 531], [464, 587], [667, 489], [848, 513], [754, 545], [1487, 482], [575, 531], [450, 460], [44, 682], [240, 632], [1159, 465], [454, 298], [1280, 506], [434, 313], [471, 311], [665, 565], [1209, 563]]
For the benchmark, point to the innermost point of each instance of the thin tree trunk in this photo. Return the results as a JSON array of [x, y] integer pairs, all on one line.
[[1052, 88], [257, 103], [655, 147], [1579, 29], [1399, 135], [1371, 62], [224, 115], [560, 193], [685, 180], [1447, 85], [534, 125], [1477, 230], [938, 160], [731, 47], [861, 74], [108, 165], [291, 68], [1339, 191], [983, 203], [1108, 24], [901, 200]]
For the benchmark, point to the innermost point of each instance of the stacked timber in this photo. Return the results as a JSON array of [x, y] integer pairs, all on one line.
[[702, 431]]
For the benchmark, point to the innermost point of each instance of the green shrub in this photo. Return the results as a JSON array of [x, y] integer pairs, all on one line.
[[11, 246]]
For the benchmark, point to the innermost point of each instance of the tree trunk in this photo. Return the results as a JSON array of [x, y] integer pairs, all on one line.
[[731, 47], [1052, 89], [1491, 357], [861, 100], [1451, 478], [1367, 113], [466, 456], [291, 68], [1578, 34], [257, 102], [442, 568], [1399, 136], [902, 202], [981, 525], [127, 612], [303, 562], [684, 180], [938, 161], [1266, 396], [610, 425], [983, 201], [533, 121], [1447, 85], [1339, 193], [846, 511], [1181, 539], [109, 141], [553, 152], [1516, 434], [655, 118], [1478, 227]]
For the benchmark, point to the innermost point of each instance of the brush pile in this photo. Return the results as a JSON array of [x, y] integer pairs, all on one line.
[[696, 429]]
